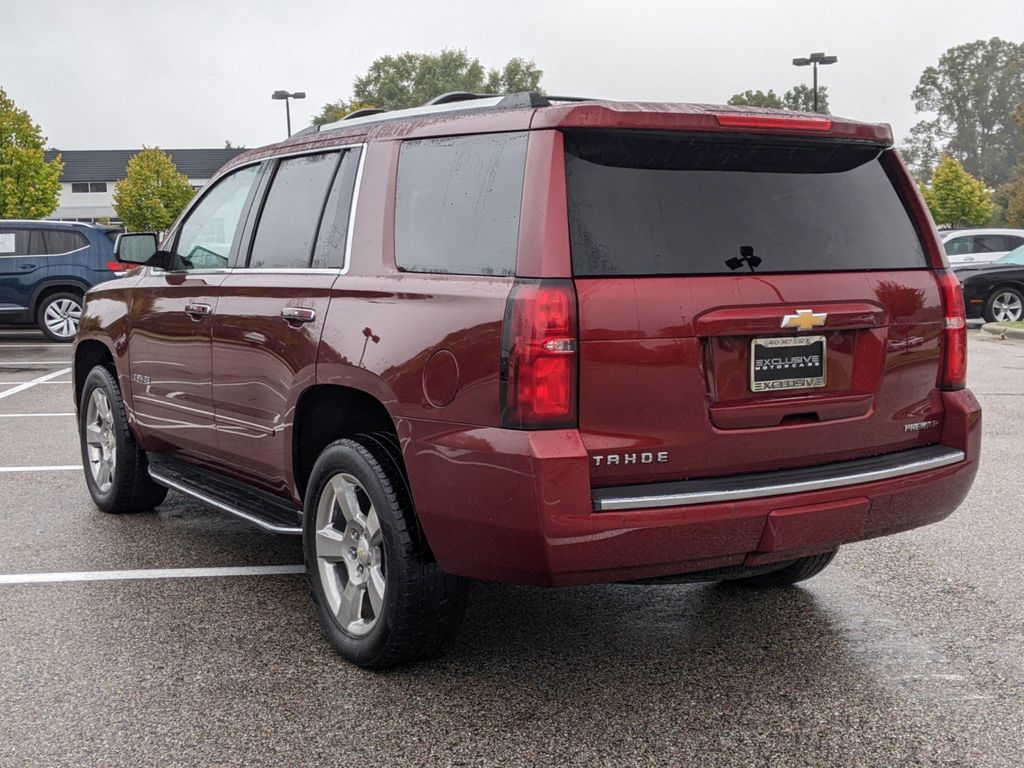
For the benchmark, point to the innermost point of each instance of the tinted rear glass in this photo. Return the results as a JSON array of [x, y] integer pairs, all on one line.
[[458, 202], [330, 242], [62, 240], [663, 204], [287, 228]]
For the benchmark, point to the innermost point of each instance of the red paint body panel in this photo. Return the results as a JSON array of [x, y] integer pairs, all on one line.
[[521, 511], [261, 365]]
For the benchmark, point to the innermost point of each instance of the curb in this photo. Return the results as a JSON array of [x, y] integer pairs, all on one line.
[[1003, 332]]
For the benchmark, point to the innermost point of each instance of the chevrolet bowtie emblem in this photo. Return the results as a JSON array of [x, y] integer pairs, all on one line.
[[804, 319]]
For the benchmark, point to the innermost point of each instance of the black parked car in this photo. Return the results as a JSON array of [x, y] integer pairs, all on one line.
[[995, 291]]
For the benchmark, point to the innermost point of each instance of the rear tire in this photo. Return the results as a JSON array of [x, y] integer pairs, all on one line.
[[116, 470], [798, 570], [1004, 305], [58, 316], [381, 599]]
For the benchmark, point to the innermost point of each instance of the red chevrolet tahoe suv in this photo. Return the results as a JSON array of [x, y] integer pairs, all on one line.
[[539, 341]]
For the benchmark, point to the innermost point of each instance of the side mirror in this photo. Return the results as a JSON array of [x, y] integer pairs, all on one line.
[[139, 248]]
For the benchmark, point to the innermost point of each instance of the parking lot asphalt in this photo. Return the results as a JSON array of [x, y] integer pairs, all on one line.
[[906, 651]]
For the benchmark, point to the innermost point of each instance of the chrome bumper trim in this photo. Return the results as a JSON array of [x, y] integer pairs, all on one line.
[[739, 487]]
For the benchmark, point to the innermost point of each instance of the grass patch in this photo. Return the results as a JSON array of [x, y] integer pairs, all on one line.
[[1014, 324]]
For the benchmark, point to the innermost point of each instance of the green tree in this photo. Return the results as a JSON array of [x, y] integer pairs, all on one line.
[[971, 93], [757, 99], [412, 79], [1011, 194], [800, 98], [153, 193], [956, 198], [29, 186]]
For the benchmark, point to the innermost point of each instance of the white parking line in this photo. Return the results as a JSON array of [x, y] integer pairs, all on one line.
[[151, 573], [54, 468], [32, 415], [33, 382], [23, 346], [9, 383], [27, 363]]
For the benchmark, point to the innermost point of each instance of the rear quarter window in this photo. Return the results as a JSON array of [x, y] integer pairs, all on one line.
[[665, 204], [63, 240], [458, 203]]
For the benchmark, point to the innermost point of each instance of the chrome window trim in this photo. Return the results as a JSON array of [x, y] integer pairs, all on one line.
[[356, 188], [85, 247], [684, 499]]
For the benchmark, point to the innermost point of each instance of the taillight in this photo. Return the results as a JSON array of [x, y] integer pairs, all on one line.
[[538, 356], [954, 332], [117, 266]]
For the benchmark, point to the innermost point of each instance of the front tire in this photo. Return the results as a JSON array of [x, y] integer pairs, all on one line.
[[116, 470], [1005, 305], [380, 598], [58, 316]]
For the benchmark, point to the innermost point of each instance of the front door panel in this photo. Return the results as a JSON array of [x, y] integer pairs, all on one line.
[[169, 347]]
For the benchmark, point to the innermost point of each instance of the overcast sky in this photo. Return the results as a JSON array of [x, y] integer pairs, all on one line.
[[181, 73]]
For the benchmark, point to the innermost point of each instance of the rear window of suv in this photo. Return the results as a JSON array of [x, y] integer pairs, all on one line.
[[665, 204], [458, 202]]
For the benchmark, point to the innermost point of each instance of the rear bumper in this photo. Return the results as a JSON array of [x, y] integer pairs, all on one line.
[[522, 510]]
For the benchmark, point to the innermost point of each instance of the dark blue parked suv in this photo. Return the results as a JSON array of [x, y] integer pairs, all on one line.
[[45, 269]]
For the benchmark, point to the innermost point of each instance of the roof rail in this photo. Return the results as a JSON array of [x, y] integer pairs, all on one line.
[[455, 101], [363, 112], [450, 96]]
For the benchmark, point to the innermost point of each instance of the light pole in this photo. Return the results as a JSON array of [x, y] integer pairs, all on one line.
[[285, 96], [816, 59]]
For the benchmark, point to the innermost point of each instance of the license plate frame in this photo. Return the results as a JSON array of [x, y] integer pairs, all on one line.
[[785, 355]]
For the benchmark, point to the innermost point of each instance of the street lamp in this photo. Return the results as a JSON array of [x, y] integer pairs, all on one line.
[[816, 59], [284, 95]]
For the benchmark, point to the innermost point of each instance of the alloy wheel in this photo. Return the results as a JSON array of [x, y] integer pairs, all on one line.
[[100, 440], [350, 554], [1007, 307], [62, 316]]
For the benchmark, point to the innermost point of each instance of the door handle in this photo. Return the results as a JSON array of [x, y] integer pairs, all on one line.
[[26, 266], [198, 311], [298, 315]]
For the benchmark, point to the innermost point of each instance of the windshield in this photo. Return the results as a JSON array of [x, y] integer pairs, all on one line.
[[1016, 256]]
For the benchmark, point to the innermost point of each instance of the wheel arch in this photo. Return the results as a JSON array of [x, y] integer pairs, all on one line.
[[88, 354], [328, 412], [49, 287]]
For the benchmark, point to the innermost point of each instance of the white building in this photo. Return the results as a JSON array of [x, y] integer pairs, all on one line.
[[87, 182]]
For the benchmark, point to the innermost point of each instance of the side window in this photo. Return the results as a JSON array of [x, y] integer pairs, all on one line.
[[288, 222], [988, 244], [213, 226], [63, 241], [329, 252], [458, 204], [16, 242], [958, 246]]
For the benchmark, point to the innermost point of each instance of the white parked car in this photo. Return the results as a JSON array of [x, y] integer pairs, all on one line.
[[976, 246]]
